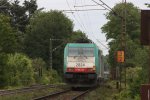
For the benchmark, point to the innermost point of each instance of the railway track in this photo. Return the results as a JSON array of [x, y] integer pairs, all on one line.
[[28, 89], [68, 94]]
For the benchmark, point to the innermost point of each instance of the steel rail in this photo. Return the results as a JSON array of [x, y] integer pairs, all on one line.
[[52, 94], [26, 89], [82, 94]]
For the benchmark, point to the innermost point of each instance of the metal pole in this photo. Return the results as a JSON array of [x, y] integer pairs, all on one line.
[[117, 76], [149, 48], [51, 55], [125, 40], [120, 76], [149, 60]]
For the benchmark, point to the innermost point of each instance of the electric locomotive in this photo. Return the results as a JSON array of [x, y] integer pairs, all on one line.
[[83, 64]]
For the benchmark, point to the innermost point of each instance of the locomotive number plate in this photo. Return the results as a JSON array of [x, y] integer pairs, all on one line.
[[80, 64]]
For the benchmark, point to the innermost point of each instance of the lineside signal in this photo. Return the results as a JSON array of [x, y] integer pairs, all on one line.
[[120, 56]]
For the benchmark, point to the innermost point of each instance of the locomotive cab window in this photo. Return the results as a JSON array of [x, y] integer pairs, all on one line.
[[81, 52]]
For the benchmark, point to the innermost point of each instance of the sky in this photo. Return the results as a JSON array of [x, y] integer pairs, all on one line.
[[90, 22]]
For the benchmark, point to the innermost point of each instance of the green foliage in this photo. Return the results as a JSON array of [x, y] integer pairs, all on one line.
[[20, 68], [112, 53], [136, 56], [53, 77], [79, 37], [140, 72], [113, 31], [43, 26], [17, 19], [130, 52], [134, 87], [134, 80], [123, 95], [19, 14], [141, 57], [113, 27], [4, 8], [49, 77], [17, 70], [8, 41], [137, 97], [30, 7], [104, 92], [41, 75], [3, 60], [148, 5]]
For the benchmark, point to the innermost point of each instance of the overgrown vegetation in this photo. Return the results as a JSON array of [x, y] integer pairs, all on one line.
[[104, 92], [136, 56], [25, 34]]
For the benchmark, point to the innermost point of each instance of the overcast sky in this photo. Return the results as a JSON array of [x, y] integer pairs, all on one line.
[[89, 22]]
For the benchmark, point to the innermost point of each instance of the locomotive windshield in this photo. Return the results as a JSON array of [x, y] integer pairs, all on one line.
[[89, 52]]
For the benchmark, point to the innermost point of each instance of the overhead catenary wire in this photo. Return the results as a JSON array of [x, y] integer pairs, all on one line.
[[86, 5], [86, 15], [81, 10], [74, 15], [88, 18], [80, 19], [115, 13], [101, 5], [108, 8], [106, 5], [71, 11], [102, 44]]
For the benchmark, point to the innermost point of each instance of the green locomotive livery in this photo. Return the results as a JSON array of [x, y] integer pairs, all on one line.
[[83, 64]]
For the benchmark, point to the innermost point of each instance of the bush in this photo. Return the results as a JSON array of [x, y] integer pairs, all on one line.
[[54, 77], [42, 75], [18, 70], [3, 59]]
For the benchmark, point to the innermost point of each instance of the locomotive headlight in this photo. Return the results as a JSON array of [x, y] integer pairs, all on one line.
[[70, 69], [94, 68]]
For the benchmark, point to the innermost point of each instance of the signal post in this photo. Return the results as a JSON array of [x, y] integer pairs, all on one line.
[[121, 52], [120, 61]]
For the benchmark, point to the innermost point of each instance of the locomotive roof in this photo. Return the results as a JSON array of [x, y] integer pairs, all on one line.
[[81, 45]]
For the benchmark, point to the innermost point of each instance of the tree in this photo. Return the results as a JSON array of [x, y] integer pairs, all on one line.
[[113, 27], [79, 37], [148, 5], [16, 69], [19, 70], [30, 7], [3, 60], [8, 41], [4, 7], [43, 26], [113, 31], [19, 14], [136, 56]]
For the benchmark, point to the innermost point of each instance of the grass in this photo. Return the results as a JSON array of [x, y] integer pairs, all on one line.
[[29, 95], [104, 92]]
